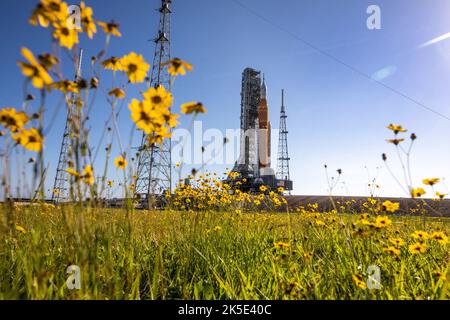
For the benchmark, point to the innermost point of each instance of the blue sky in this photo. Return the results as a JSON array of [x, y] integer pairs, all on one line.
[[335, 115]]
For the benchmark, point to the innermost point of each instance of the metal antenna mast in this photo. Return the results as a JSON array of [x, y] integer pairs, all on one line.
[[61, 186], [283, 155], [154, 170]]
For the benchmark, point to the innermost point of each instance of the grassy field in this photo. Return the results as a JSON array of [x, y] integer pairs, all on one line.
[[216, 255]]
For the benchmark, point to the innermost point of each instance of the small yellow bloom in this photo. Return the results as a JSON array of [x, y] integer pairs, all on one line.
[[13, 120], [192, 107], [358, 280], [142, 115], [420, 235], [441, 195], [263, 188], [120, 162], [88, 175], [48, 61], [417, 192], [49, 11], [320, 223], [439, 237], [396, 128], [431, 181], [418, 248], [21, 229], [110, 28], [110, 183], [66, 86], [395, 141], [87, 21], [281, 245], [177, 66], [67, 35], [31, 139], [391, 206], [382, 222], [307, 255], [34, 71], [398, 242], [217, 228], [392, 250], [112, 63], [135, 67], [159, 98], [73, 172], [117, 92]]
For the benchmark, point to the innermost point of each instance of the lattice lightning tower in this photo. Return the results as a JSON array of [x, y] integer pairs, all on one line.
[[153, 175], [61, 186], [283, 155]]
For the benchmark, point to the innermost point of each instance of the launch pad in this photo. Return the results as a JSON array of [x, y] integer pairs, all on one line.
[[254, 162]]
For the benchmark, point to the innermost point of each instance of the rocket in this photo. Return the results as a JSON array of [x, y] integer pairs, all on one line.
[[264, 146]]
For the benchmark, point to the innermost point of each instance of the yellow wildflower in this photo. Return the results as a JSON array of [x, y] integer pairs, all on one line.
[[392, 250], [177, 66], [439, 237], [88, 175], [396, 128], [21, 229], [158, 97], [395, 141], [192, 107], [398, 242], [120, 162], [110, 28], [117, 92], [73, 172], [358, 280], [281, 245], [67, 35], [112, 63], [34, 71], [66, 86], [418, 248], [49, 11], [431, 181], [31, 139], [417, 192], [391, 206], [420, 235], [47, 61], [13, 120], [135, 67], [86, 20], [441, 195], [382, 222]]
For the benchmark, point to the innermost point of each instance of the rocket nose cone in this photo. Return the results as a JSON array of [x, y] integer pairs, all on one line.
[[263, 89]]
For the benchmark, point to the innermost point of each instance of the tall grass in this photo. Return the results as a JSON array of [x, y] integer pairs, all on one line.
[[173, 255]]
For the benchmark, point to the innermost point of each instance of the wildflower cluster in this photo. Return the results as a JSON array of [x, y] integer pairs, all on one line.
[[207, 192]]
